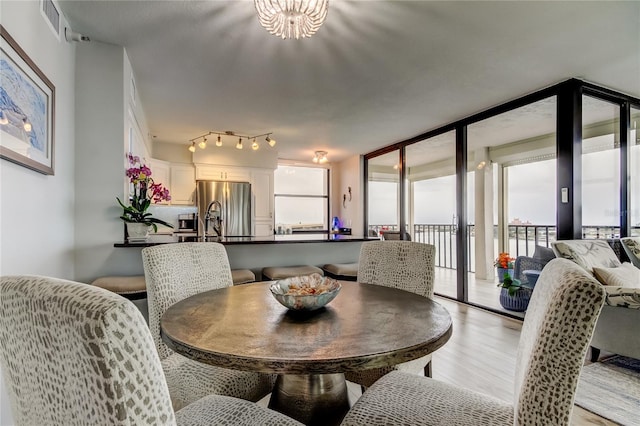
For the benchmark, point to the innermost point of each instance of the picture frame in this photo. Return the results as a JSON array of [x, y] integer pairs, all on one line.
[[27, 109]]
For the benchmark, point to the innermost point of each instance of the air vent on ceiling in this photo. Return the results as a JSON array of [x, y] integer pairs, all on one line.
[[50, 12]]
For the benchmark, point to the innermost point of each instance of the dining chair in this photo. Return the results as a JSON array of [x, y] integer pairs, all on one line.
[[174, 272], [553, 344], [404, 265], [75, 354]]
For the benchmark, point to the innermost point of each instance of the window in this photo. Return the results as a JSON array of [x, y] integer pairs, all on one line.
[[301, 199]]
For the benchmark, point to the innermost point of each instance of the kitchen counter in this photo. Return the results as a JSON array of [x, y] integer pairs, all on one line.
[[275, 239]]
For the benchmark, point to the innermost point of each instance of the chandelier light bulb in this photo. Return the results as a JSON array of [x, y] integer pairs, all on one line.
[[26, 125], [239, 144], [192, 147], [203, 143], [219, 141], [292, 19], [255, 145]]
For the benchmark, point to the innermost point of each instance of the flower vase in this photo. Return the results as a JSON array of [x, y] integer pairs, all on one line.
[[502, 272], [137, 231], [519, 302]]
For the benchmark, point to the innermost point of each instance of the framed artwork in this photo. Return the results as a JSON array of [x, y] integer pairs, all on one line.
[[27, 104]]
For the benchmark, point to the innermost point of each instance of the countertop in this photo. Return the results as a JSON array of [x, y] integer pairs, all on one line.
[[157, 239]]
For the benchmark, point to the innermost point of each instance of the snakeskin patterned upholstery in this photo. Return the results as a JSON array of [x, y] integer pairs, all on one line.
[[553, 343], [631, 246], [75, 354], [174, 272], [404, 265]]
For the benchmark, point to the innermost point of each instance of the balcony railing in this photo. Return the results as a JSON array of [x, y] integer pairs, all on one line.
[[522, 239]]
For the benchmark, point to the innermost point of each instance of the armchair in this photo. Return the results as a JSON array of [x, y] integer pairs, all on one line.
[[541, 256]]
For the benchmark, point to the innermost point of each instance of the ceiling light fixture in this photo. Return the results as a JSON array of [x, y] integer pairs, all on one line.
[[203, 143], [3, 118], [320, 157], [292, 18], [26, 125], [201, 140]]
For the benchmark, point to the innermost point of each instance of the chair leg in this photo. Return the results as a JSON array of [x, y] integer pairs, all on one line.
[[595, 353], [427, 370]]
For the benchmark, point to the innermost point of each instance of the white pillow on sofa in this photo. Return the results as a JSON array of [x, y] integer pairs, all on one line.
[[626, 275]]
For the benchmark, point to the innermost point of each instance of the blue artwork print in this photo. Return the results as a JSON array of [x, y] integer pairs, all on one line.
[[22, 103]]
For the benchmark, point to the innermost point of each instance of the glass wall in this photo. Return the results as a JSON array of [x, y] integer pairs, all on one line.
[[512, 160], [383, 193], [600, 169], [634, 173], [431, 191], [511, 195]]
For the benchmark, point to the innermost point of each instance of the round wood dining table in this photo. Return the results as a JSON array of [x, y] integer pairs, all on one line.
[[366, 326]]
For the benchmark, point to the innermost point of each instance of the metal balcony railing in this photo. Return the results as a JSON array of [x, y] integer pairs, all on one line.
[[522, 238]]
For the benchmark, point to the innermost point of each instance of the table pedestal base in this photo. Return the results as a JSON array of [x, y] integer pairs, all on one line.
[[313, 399]]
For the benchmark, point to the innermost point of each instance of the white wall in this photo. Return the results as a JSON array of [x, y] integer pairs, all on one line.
[[347, 174], [37, 211]]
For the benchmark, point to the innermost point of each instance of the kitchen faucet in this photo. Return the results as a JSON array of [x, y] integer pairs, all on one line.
[[211, 216]]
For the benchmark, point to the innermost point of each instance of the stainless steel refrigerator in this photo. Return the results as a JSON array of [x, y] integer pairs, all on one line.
[[227, 204]]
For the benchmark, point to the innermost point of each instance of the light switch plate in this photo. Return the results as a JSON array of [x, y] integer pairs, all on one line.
[[564, 195]]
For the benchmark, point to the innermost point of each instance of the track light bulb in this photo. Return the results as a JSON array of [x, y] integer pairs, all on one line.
[[192, 147], [203, 143], [3, 118], [270, 141], [239, 144], [219, 141], [255, 145], [26, 125]]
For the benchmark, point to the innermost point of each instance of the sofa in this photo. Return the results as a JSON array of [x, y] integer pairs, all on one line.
[[617, 327]]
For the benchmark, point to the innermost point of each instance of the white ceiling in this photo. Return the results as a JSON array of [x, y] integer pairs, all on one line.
[[376, 73]]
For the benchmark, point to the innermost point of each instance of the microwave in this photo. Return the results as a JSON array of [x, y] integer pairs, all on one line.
[[187, 222]]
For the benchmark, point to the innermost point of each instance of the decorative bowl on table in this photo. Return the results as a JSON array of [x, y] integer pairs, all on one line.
[[305, 293]]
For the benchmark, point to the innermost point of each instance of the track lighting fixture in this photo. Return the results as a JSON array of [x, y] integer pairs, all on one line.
[[3, 118], [320, 157], [201, 140], [26, 125]]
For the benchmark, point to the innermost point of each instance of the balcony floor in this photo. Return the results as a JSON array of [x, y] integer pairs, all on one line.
[[481, 292]]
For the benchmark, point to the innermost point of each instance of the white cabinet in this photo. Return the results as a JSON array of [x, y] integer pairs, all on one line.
[[183, 184], [226, 173], [262, 189], [160, 173]]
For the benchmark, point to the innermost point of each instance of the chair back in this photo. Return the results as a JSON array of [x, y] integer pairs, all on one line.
[[631, 246], [174, 272], [553, 343], [75, 354], [405, 265], [395, 236]]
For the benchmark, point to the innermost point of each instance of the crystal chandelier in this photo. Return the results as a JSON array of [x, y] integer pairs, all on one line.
[[292, 18]]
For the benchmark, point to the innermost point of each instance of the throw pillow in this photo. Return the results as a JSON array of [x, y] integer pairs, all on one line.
[[625, 275], [587, 253]]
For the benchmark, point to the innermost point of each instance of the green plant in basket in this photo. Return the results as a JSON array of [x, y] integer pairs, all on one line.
[[512, 285]]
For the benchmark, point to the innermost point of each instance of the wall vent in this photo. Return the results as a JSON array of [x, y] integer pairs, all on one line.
[[50, 12]]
